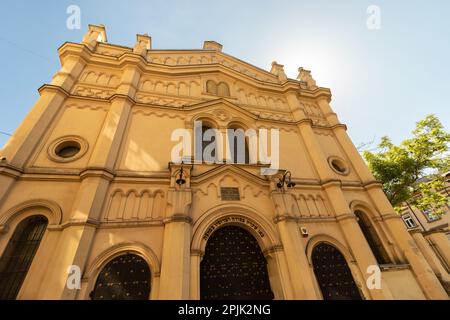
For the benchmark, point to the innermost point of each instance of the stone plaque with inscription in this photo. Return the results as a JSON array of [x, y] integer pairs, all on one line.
[[230, 194]]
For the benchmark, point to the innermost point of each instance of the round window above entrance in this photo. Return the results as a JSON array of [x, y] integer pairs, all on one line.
[[68, 148]]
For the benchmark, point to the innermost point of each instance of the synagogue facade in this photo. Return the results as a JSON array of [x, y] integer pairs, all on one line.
[[94, 204]]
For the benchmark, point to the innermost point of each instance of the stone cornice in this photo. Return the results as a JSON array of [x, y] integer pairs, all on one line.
[[79, 50], [345, 216], [178, 218], [9, 170], [280, 218], [316, 94], [303, 219], [128, 57], [305, 121], [75, 223], [372, 185], [388, 216], [122, 97], [315, 219], [98, 173], [108, 224], [337, 126], [437, 229], [160, 177], [331, 183], [52, 88]]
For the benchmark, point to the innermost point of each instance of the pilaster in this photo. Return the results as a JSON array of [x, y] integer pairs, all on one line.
[[294, 250], [79, 232], [424, 274], [442, 245], [355, 239], [176, 254], [431, 257]]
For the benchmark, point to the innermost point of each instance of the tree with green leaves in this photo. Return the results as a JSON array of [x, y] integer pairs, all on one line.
[[413, 170]]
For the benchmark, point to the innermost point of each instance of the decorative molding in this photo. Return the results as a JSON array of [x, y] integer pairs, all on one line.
[[237, 214], [158, 114], [119, 249], [99, 93], [324, 132], [313, 205], [100, 79], [135, 205], [53, 212], [87, 106]]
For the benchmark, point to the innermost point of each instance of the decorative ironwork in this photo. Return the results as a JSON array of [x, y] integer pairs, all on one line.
[[19, 255], [234, 267], [126, 277], [333, 274]]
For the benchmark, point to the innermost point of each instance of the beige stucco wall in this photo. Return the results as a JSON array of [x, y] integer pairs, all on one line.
[[402, 285]]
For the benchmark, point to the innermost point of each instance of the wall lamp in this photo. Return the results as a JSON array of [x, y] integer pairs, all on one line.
[[282, 181], [180, 181]]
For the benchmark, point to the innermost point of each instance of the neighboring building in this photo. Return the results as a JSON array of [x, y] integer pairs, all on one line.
[[432, 235], [87, 187]]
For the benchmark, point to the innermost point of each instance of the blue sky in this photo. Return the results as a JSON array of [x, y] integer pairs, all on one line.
[[382, 81]]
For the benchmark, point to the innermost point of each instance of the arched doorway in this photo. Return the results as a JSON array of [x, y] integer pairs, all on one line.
[[234, 267], [19, 254], [333, 274], [127, 277]]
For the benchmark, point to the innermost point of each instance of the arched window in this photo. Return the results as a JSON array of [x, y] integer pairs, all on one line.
[[223, 90], [19, 254], [126, 277], [211, 87], [372, 238], [238, 145], [333, 274], [234, 268], [206, 143]]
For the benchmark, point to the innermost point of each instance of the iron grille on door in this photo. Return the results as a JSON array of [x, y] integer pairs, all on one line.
[[126, 277], [234, 267], [19, 254], [333, 274]]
